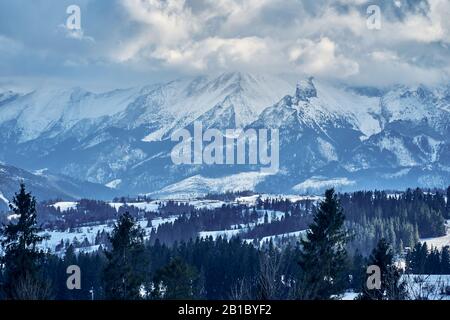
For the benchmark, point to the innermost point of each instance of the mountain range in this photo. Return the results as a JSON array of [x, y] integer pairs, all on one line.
[[330, 135]]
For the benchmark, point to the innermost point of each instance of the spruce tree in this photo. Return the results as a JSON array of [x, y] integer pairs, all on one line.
[[123, 274], [392, 287], [22, 259], [176, 281], [445, 260], [323, 257]]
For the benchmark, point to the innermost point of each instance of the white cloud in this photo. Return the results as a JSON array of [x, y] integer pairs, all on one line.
[[214, 52], [321, 58], [326, 38], [179, 37]]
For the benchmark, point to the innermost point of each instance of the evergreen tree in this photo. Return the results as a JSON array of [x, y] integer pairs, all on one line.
[[445, 260], [323, 257], [417, 258], [357, 271], [176, 281], [123, 274], [22, 277], [392, 288]]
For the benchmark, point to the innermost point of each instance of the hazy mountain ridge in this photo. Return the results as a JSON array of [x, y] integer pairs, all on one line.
[[45, 185]]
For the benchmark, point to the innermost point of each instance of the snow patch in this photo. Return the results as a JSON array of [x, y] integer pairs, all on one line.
[[319, 183], [198, 185], [114, 184], [3, 198], [65, 205]]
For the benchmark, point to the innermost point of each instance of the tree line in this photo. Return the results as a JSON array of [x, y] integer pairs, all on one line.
[[318, 266]]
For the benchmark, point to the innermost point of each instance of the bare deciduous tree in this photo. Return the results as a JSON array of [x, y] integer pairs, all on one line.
[[29, 288]]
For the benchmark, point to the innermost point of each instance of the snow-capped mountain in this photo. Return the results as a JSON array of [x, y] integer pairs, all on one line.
[[352, 139], [329, 134]]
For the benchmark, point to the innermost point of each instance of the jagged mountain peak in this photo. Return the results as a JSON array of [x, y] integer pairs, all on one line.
[[306, 89]]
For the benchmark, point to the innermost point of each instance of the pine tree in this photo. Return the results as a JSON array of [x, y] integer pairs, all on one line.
[[392, 288], [176, 281], [445, 260], [356, 270], [123, 276], [22, 277], [323, 257]]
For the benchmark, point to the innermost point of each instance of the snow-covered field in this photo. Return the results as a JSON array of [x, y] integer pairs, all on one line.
[[65, 205], [439, 242], [419, 287], [315, 184], [151, 206], [199, 185], [431, 287], [279, 237], [80, 234], [251, 200], [90, 232]]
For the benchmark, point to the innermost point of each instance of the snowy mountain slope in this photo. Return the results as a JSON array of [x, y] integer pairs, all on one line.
[[398, 136], [197, 185], [340, 135], [52, 111], [99, 137], [246, 94]]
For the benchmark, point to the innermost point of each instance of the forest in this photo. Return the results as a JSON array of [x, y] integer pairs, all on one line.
[[174, 263]]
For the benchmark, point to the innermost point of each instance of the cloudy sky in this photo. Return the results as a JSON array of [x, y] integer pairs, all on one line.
[[128, 42]]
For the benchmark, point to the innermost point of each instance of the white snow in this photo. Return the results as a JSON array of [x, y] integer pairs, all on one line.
[[159, 221], [80, 234], [3, 198], [396, 146], [349, 295], [40, 110], [90, 232], [327, 150], [356, 109], [65, 205], [151, 206], [439, 242], [206, 204], [198, 185], [114, 184], [40, 172], [318, 183], [155, 135], [431, 287], [279, 237], [251, 200]]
